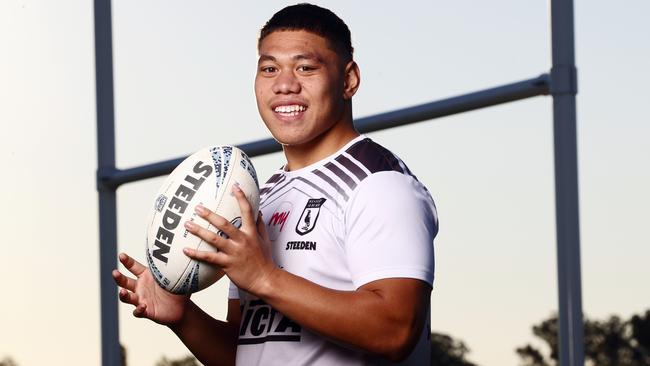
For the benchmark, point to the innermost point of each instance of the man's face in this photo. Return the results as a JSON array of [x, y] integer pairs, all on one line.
[[299, 86]]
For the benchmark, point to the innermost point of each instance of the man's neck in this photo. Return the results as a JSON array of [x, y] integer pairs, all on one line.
[[300, 156]]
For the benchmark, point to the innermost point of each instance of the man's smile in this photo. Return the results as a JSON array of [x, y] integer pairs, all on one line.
[[290, 110]]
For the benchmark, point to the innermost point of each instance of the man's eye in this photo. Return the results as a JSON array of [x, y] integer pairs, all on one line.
[[306, 68], [268, 69]]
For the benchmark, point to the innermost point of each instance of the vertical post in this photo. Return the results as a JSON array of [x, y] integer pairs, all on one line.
[[106, 164], [563, 90]]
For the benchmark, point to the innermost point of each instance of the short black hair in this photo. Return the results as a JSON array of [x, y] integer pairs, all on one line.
[[313, 19]]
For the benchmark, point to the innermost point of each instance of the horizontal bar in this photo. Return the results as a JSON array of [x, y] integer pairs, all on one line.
[[463, 103], [115, 178], [423, 112]]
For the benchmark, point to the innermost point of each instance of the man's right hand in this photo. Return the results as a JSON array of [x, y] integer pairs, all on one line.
[[150, 300]]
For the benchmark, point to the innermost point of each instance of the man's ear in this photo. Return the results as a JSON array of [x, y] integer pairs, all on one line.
[[352, 80]]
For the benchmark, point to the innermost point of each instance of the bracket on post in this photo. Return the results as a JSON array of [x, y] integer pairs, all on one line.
[[104, 178], [564, 80]]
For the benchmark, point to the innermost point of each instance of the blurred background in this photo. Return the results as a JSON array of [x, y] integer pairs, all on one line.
[[184, 80]]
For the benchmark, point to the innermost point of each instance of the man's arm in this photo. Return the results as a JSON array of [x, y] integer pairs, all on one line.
[[382, 317], [211, 341]]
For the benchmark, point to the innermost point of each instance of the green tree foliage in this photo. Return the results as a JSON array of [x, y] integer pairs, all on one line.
[[610, 342], [446, 351]]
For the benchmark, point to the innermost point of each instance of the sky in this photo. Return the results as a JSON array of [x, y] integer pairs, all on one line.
[[183, 80]]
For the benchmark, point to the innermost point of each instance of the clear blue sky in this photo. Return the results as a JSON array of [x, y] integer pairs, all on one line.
[[185, 70]]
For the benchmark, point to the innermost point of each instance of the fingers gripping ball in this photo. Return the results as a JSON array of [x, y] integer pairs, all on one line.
[[204, 178]]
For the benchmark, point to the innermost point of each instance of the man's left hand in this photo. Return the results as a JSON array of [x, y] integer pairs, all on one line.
[[245, 254]]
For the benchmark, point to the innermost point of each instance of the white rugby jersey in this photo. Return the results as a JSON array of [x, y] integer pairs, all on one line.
[[347, 220]]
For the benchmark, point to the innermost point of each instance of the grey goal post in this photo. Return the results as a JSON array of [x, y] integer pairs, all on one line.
[[560, 83]]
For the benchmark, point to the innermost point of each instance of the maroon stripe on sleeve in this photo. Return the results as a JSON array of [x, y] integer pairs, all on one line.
[[341, 174]]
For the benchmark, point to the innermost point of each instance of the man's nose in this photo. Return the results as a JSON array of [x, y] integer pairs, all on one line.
[[286, 83]]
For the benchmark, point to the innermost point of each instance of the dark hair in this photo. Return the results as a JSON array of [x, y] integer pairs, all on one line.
[[314, 19]]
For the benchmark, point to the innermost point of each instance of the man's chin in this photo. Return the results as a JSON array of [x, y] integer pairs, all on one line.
[[292, 141]]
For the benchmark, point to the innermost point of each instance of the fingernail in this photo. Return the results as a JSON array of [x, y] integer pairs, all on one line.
[[187, 251], [235, 188], [189, 225], [200, 209]]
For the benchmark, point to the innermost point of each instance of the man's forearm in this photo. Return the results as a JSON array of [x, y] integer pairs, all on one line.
[[384, 317], [211, 341]]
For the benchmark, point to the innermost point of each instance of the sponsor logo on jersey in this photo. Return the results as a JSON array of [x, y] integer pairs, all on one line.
[[301, 245], [309, 215], [261, 323], [278, 220]]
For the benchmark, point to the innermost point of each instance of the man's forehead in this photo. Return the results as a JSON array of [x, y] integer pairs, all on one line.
[[293, 33], [298, 41], [298, 56]]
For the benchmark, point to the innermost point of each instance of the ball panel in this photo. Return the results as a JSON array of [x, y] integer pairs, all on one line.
[[157, 275]]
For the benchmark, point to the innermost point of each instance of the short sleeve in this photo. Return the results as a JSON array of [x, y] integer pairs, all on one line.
[[390, 224], [233, 291]]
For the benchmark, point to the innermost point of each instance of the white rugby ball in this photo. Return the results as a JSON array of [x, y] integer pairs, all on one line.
[[206, 177]]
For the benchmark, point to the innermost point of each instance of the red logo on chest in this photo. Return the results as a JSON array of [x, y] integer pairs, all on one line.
[[279, 218]]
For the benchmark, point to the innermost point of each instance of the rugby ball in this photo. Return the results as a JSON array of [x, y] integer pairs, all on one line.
[[206, 177]]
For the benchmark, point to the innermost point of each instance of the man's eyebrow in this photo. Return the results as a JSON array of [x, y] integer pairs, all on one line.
[[308, 56], [266, 58], [298, 57]]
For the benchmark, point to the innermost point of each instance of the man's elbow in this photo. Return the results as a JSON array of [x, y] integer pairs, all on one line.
[[400, 343], [400, 351]]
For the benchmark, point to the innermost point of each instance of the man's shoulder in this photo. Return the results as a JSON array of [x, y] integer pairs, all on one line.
[[375, 157], [342, 174], [377, 171], [361, 165]]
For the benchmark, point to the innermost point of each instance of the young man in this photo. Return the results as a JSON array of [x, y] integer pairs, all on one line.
[[338, 268]]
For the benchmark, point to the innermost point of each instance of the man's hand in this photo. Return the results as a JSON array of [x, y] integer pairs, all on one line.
[[150, 300], [212, 341], [245, 254]]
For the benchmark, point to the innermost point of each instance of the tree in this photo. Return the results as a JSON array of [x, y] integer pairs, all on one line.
[[8, 361], [547, 331], [609, 342], [641, 334], [446, 351], [122, 355], [183, 361]]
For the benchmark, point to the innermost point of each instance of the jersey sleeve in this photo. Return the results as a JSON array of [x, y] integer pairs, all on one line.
[[390, 223], [233, 291]]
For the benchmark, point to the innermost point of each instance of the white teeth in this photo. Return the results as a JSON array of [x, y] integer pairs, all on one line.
[[289, 109]]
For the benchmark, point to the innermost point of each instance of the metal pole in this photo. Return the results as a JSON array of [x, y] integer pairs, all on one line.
[[106, 162], [564, 89]]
